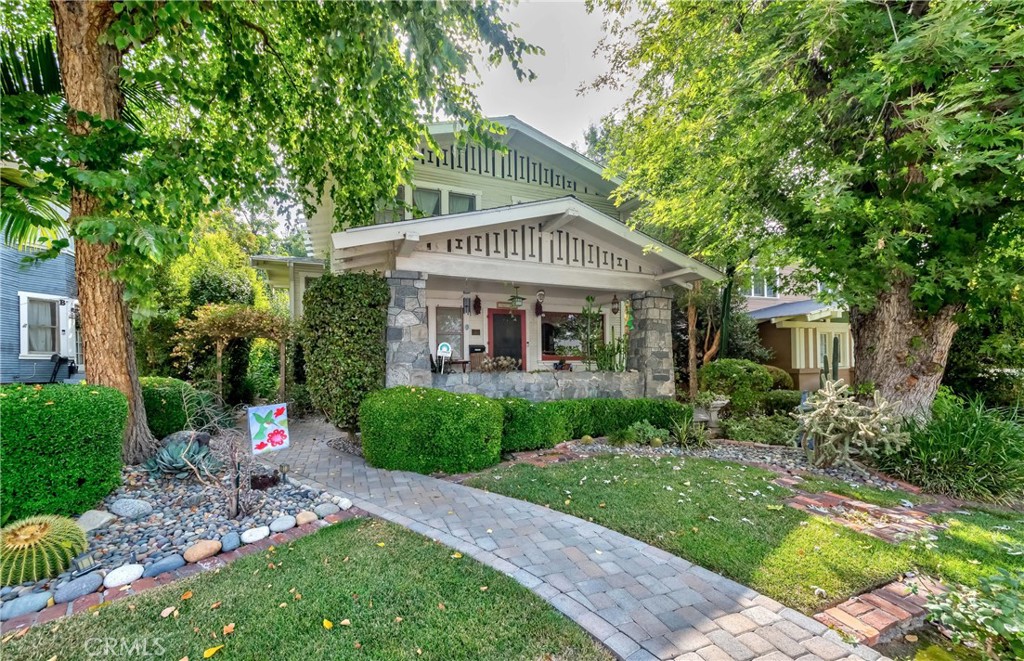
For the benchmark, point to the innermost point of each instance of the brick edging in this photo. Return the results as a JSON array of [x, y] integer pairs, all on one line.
[[96, 600]]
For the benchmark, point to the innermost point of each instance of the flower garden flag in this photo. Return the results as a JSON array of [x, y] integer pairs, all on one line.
[[268, 428]]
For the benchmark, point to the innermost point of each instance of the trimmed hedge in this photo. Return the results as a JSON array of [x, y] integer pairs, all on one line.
[[60, 451], [741, 380], [600, 417], [772, 429], [427, 430], [343, 339], [780, 401], [531, 426], [781, 380]]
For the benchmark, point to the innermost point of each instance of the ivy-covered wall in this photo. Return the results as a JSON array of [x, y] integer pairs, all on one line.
[[343, 338]]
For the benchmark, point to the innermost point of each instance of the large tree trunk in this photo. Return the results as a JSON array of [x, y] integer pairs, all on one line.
[[901, 352], [90, 73]]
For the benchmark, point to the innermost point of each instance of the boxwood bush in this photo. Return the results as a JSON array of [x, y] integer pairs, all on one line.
[[600, 417], [60, 451], [779, 401], [530, 425], [742, 380], [427, 430], [781, 380], [778, 429], [173, 405]]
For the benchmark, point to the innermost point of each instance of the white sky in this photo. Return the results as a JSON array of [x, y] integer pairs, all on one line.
[[568, 35]]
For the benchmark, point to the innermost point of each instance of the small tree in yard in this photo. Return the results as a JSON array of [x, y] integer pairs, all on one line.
[[343, 337], [876, 145]]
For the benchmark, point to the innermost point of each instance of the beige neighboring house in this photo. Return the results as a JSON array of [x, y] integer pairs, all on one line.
[[492, 252], [799, 330]]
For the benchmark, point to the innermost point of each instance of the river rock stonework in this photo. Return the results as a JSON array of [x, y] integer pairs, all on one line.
[[408, 359], [543, 386]]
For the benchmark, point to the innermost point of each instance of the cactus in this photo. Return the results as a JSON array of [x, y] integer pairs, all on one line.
[[829, 375], [38, 547]]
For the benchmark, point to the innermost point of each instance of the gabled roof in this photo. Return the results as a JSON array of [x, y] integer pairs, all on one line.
[[561, 210], [518, 132], [792, 309]]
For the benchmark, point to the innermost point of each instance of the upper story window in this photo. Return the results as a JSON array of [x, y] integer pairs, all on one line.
[[763, 285], [427, 201], [461, 202], [424, 201]]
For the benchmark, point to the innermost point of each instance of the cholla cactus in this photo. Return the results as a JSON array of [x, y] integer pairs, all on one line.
[[841, 428]]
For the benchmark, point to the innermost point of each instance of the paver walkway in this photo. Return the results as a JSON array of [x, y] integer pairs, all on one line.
[[640, 601]]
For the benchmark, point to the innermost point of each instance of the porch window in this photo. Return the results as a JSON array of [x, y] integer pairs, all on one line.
[[461, 202], [43, 326], [427, 201], [763, 285], [569, 335], [449, 329]]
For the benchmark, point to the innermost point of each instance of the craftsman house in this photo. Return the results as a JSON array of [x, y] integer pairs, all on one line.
[[497, 254]]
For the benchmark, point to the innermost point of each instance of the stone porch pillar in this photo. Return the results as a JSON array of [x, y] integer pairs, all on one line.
[[650, 343], [408, 359]]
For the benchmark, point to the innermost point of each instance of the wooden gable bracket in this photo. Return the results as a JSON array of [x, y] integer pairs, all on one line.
[[407, 244], [678, 274], [559, 221]]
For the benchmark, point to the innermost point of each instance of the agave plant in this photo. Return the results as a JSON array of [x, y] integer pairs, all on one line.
[[180, 458]]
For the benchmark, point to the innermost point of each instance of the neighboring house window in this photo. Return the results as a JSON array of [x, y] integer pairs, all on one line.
[[562, 335], [43, 326], [427, 201], [763, 285], [825, 344], [79, 350], [461, 202], [449, 329]]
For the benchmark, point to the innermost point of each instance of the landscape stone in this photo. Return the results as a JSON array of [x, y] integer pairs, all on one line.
[[29, 603], [282, 523], [326, 509], [230, 542], [93, 519], [255, 534], [304, 517], [202, 550], [164, 565], [345, 504], [131, 508], [78, 588], [123, 575]]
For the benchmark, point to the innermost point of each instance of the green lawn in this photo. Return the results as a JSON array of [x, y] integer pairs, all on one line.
[[731, 519], [389, 583]]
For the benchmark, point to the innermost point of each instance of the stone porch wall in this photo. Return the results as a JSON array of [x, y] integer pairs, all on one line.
[[408, 356], [543, 386]]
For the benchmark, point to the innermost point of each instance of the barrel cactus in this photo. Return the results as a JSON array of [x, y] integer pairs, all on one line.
[[38, 547]]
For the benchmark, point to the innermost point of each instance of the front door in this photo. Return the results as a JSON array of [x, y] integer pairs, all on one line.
[[508, 334]]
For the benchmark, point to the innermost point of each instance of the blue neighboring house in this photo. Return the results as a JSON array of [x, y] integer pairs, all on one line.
[[38, 318]]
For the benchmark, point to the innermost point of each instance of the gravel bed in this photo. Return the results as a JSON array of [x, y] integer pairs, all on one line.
[[343, 444], [779, 457]]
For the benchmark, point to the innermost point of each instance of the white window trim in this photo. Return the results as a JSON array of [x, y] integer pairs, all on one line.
[[748, 290], [65, 326], [444, 189]]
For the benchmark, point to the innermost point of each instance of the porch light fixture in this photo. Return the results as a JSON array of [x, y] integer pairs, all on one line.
[[515, 301], [284, 468], [467, 303], [615, 303]]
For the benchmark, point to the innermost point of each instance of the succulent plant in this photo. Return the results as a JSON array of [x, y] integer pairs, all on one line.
[[38, 547], [175, 459]]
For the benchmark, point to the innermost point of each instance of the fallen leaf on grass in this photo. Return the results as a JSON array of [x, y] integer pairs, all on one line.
[[357, 644], [910, 638], [187, 595], [441, 606], [328, 624], [167, 611], [211, 651], [215, 605], [282, 605], [346, 622], [381, 544], [456, 555], [229, 628], [398, 619]]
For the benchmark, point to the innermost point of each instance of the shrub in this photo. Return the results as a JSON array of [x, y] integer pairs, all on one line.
[[775, 429], [741, 380], [991, 617], [263, 370], [38, 547], [61, 447], [343, 341], [779, 401], [965, 450], [841, 428], [427, 430], [690, 434], [173, 405], [530, 426], [781, 380], [646, 433], [600, 417]]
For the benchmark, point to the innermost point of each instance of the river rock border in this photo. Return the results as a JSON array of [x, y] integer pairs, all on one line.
[[94, 600]]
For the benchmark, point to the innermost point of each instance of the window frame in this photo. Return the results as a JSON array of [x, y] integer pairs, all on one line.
[[544, 355], [750, 289], [460, 352], [64, 331], [406, 191]]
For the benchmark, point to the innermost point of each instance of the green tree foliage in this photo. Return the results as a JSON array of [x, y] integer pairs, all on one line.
[[343, 341], [877, 145]]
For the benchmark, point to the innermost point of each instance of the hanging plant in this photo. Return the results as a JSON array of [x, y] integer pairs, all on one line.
[[476, 305], [538, 309]]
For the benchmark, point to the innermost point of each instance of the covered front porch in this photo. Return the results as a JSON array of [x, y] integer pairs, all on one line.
[[518, 283]]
